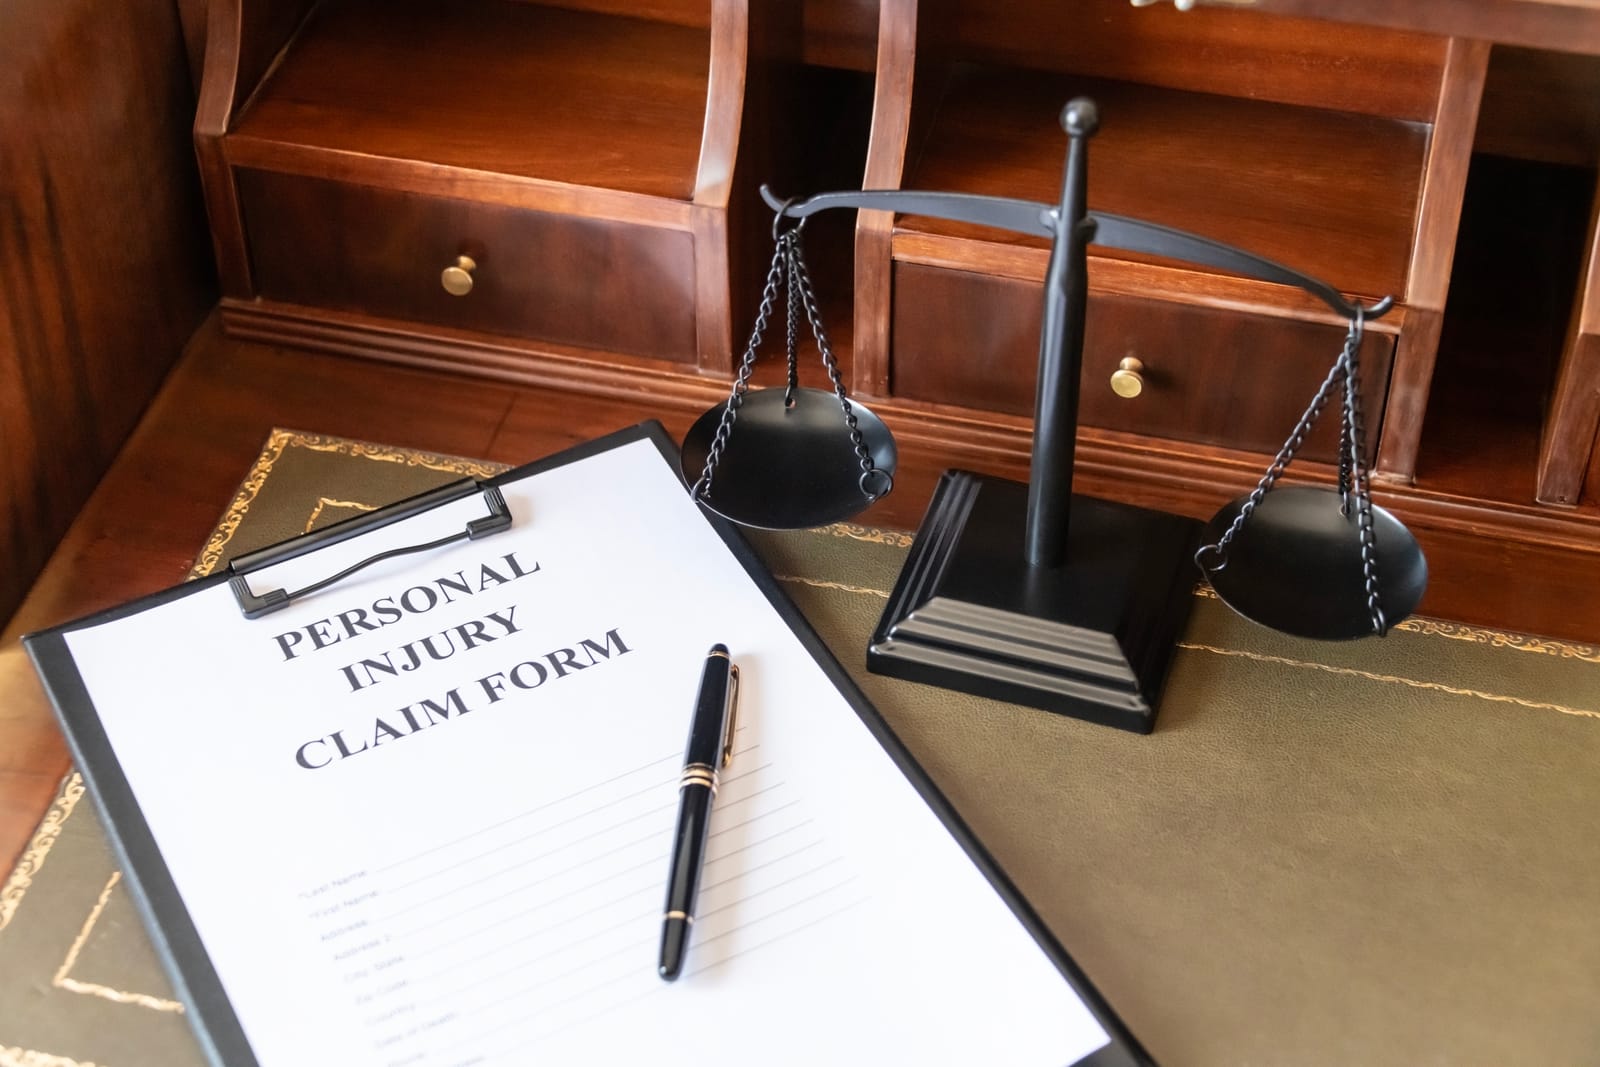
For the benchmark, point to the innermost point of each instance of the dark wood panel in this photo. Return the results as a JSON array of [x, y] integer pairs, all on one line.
[[264, 27], [1483, 581], [1213, 376], [841, 33], [696, 13], [496, 86], [1541, 105], [1563, 25], [837, 33], [103, 264], [1334, 195], [1212, 50], [554, 277], [1519, 263]]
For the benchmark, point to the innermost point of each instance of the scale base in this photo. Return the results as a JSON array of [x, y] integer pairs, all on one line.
[[1092, 638]]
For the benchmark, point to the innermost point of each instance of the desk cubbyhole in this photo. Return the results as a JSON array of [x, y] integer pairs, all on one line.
[[632, 133], [1329, 148], [1518, 264]]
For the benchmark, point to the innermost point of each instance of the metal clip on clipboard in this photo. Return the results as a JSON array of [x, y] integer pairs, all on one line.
[[254, 605]]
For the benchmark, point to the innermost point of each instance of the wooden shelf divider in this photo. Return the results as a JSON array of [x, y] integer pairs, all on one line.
[[1568, 444]]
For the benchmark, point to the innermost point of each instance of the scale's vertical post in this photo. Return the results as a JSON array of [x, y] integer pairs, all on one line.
[[1066, 298]]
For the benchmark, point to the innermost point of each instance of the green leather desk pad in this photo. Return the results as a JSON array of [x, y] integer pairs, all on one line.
[[1386, 851]]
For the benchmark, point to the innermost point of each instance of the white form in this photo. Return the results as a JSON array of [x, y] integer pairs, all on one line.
[[423, 816]]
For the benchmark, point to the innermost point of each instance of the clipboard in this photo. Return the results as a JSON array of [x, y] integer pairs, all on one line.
[[167, 916]]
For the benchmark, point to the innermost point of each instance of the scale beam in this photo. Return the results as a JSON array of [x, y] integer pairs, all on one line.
[[1106, 231]]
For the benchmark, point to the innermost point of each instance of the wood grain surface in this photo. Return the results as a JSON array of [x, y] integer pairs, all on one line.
[[502, 88], [103, 263]]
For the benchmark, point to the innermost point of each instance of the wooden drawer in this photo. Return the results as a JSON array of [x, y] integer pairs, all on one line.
[[592, 283], [1214, 376]]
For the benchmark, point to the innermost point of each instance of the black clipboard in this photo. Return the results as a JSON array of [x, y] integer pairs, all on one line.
[[167, 920]]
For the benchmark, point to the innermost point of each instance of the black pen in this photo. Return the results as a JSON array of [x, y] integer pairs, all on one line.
[[709, 749]]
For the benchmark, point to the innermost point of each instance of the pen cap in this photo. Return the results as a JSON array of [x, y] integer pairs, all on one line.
[[713, 708]]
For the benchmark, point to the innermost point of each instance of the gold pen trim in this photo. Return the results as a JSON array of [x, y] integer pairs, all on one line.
[[699, 774], [685, 916], [732, 714]]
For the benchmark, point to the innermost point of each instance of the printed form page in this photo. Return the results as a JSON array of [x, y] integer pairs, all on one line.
[[423, 817]]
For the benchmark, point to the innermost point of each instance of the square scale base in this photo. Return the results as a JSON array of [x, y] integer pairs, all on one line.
[[1092, 638]]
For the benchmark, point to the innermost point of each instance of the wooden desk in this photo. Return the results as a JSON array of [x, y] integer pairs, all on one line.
[[107, 274]]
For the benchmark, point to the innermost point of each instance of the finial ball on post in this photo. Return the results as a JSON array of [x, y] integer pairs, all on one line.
[[1080, 118]]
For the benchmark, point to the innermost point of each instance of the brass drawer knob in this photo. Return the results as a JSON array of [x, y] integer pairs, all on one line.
[[1126, 380], [457, 277]]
